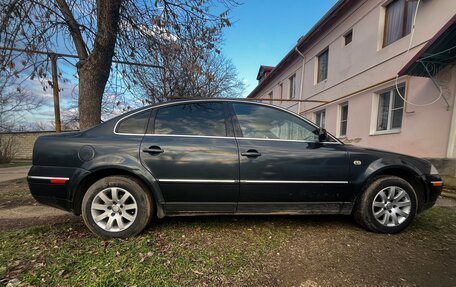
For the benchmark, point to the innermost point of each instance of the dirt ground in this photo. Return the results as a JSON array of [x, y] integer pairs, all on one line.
[[18, 209], [345, 257], [318, 251]]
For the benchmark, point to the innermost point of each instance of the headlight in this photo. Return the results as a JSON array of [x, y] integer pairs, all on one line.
[[434, 171]]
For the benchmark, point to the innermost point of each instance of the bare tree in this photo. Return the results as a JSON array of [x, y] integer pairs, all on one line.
[[15, 101], [99, 31], [197, 74]]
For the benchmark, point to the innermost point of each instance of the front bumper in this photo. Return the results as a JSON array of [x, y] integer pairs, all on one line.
[[433, 188]]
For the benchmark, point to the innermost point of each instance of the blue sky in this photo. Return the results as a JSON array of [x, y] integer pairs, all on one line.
[[264, 31]]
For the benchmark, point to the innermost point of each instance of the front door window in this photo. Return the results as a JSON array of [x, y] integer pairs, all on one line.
[[268, 123]]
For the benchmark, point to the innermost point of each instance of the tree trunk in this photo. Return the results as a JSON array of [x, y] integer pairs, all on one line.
[[91, 88], [94, 72]]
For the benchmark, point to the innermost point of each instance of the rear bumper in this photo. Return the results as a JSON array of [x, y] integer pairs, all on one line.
[[54, 202], [54, 186]]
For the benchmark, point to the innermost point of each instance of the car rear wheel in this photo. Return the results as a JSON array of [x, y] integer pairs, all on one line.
[[117, 207], [388, 205]]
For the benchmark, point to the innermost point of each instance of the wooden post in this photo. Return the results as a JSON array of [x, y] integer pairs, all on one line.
[[55, 87]]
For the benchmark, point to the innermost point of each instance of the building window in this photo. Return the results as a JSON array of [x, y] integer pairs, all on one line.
[[323, 66], [343, 119], [281, 91], [348, 37], [320, 118], [271, 96], [390, 109], [292, 92], [398, 20]]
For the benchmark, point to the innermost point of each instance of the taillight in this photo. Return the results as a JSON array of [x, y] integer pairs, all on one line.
[[58, 181]]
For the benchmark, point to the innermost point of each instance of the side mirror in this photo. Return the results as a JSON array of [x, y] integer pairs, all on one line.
[[322, 135]]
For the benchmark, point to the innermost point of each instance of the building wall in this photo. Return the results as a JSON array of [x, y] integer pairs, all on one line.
[[24, 142], [425, 130], [274, 86], [361, 69]]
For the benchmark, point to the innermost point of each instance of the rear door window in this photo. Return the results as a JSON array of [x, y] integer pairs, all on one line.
[[135, 124], [200, 119]]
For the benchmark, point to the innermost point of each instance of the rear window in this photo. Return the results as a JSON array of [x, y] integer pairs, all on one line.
[[136, 124], [202, 119]]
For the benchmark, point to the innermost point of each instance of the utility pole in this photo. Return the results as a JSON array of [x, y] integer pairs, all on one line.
[[55, 88]]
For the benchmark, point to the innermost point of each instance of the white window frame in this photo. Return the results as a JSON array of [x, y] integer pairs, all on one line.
[[339, 120], [292, 87], [281, 92], [317, 67], [318, 117], [344, 38], [383, 23], [271, 96], [374, 118]]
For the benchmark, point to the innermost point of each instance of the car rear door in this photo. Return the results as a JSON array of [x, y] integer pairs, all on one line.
[[283, 167], [191, 150]]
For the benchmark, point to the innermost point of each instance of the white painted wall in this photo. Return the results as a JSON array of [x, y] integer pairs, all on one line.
[[426, 131]]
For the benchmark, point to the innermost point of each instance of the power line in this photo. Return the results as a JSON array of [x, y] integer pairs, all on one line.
[[62, 55]]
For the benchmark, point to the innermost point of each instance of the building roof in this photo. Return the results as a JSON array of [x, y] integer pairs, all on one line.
[[438, 52], [263, 69], [324, 24]]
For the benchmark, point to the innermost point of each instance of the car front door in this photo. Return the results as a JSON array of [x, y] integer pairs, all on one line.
[[191, 150], [283, 166]]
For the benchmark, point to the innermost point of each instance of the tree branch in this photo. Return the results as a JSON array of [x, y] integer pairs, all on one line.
[[73, 27]]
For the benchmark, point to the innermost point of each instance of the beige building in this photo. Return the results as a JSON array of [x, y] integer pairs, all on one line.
[[372, 79]]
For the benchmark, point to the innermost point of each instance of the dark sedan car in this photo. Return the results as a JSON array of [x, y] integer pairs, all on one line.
[[199, 157]]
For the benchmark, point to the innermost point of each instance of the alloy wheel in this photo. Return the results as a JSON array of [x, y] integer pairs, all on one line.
[[391, 206], [114, 209]]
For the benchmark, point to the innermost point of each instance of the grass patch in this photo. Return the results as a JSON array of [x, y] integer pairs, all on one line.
[[184, 252], [449, 183], [435, 220], [214, 251]]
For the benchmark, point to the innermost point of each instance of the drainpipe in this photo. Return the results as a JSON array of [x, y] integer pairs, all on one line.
[[302, 77]]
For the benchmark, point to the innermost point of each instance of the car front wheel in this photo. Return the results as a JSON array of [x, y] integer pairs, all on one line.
[[117, 207], [388, 205]]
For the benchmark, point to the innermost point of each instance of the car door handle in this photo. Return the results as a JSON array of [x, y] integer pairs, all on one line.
[[251, 153], [153, 149]]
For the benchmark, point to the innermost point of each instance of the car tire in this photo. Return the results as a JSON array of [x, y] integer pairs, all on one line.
[[387, 205], [117, 207]]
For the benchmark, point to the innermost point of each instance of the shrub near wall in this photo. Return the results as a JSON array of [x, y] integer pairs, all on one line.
[[8, 148], [23, 142]]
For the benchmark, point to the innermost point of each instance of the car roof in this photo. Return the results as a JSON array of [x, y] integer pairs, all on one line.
[[197, 100], [191, 100], [232, 100]]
